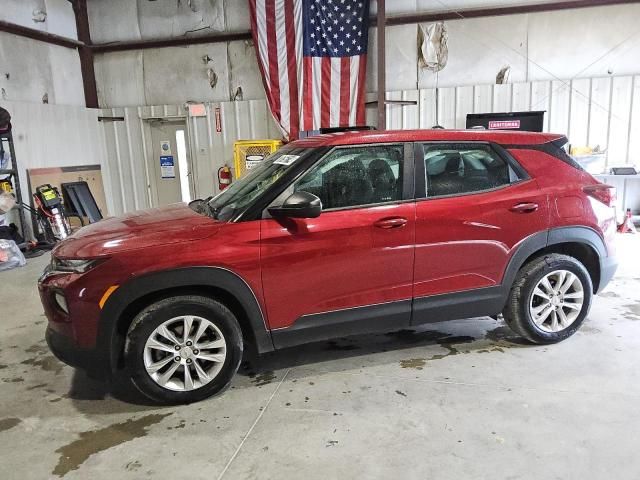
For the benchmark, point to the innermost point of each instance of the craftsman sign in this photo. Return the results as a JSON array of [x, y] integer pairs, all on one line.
[[504, 124], [218, 117]]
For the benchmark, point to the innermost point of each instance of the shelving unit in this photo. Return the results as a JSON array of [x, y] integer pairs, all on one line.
[[7, 142]]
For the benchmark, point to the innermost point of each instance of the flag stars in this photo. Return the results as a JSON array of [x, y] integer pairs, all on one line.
[[335, 27]]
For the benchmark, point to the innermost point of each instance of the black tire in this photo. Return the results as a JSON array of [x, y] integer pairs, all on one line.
[[153, 316], [516, 312]]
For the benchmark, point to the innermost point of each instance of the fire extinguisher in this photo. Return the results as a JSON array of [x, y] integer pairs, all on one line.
[[224, 177]]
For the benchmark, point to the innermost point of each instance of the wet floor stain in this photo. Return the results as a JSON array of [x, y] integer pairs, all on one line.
[[264, 378], [39, 385], [181, 424], [48, 363], [589, 329], [503, 334], [2, 366], [37, 348], [13, 380], [609, 295], [416, 363], [336, 345], [7, 423], [133, 466], [450, 343], [401, 393], [634, 308], [91, 442]]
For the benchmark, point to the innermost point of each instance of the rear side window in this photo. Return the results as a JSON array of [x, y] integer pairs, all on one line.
[[560, 149], [457, 169]]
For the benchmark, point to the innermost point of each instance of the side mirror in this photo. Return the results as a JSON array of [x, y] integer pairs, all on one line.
[[299, 205]]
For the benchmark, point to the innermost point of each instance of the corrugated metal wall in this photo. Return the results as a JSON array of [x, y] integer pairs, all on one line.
[[597, 111], [55, 136], [593, 112], [129, 146]]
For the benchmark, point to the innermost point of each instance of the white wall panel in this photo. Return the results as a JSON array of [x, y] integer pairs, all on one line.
[[502, 98], [56, 136], [633, 151], [403, 117], [579, 117], [599, 112], [541, 99], [483, 99], [560, 107], [464, 105], [520, 97], [619, 121]]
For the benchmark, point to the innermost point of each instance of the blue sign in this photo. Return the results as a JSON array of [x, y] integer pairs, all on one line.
[[167, 166]]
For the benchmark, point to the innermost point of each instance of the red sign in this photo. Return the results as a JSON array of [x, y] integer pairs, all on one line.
[[218, 119], [504, 124]]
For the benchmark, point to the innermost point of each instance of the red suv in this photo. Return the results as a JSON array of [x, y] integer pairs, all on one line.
[[335, 235]]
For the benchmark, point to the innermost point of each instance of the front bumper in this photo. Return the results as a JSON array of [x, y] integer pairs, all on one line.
[[66, 351]]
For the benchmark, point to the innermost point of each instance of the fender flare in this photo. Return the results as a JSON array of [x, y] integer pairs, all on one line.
[[554, 236], [139, 287]]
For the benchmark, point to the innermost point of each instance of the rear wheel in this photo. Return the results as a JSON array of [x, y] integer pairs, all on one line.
[[549, 299], [183, 349]]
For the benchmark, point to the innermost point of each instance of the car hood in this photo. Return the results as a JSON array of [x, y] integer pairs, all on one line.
[[137, 230]]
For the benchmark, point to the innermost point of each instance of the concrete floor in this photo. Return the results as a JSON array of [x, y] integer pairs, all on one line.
[[465, 400]]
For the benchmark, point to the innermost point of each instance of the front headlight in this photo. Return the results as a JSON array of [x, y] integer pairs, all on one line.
[[72, 266]]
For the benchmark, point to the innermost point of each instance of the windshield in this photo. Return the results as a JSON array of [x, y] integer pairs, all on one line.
[[233, 200]]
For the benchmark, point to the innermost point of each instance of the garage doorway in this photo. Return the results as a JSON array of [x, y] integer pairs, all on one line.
[[170, 165]]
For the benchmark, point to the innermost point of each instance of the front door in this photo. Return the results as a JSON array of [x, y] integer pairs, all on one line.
[[351, 269], [478, 206], [169, 166]]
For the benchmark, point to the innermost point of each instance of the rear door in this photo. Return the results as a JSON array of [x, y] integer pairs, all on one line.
[[351, 269], [476, 205]]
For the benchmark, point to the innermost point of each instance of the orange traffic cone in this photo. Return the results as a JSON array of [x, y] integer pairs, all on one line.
[[627, 225]]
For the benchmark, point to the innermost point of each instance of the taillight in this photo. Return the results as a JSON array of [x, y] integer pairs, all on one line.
[[602, 192]]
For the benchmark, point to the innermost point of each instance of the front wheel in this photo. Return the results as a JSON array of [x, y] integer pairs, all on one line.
[[183, 349], [549, 299]]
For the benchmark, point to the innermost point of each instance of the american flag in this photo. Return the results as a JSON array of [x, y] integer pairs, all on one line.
[[313, 59]]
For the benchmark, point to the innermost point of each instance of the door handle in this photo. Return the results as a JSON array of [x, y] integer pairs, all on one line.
[[391, 222], [527, 207]]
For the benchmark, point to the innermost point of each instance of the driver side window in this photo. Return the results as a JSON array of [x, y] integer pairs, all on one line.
[[356, 176]]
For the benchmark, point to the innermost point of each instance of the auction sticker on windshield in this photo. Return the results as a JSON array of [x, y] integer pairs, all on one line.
[[286, 159]]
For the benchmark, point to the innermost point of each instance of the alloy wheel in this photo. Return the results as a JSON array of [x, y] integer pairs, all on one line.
[[556, 301], [185, 353]]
